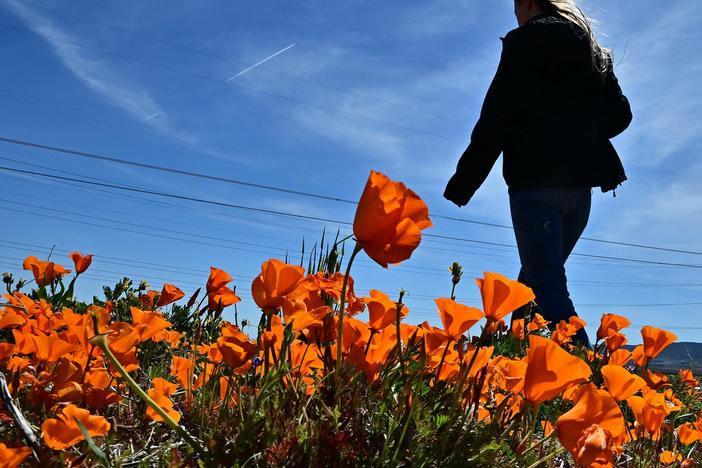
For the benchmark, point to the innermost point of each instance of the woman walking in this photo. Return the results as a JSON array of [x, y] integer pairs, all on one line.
[[551, 110]]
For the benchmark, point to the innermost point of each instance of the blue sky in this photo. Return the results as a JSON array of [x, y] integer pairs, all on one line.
[[390, 86]]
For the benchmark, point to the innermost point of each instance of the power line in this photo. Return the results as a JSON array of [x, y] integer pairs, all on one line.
[[104, 210], [131, 261], [155, 167], [253, 220], [603, 257], [115, 160], [141, 275], [410, 295], [85, 223], [591, 239], [316, 218], [230, 60], [274, 249], [23, 246]]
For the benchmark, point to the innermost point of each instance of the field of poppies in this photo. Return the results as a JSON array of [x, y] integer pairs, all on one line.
[[154, 378]]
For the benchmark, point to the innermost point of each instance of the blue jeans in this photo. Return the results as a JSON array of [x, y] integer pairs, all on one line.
[[547, 224]]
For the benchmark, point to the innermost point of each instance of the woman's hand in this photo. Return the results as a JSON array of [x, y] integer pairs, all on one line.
[[456, 191]]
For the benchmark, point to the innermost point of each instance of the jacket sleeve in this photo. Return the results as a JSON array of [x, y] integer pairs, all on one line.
[[616, 112], [504, 99]]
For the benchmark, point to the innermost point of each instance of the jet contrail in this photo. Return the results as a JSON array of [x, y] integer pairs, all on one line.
[[261, 62]]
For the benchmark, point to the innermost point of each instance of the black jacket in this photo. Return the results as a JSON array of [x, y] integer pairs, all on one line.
[[550, 114]]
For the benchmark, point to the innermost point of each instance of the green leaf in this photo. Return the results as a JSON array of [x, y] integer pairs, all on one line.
[[99, 454]]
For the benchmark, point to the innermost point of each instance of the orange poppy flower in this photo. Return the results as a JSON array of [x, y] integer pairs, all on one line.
[[62, 431], [510, 373], [13, 457], [370, 363], [182, 370], [160, 392], [10, 319], [6, 350], [169, 294], [594, 448], [611, 322], [655, 341], [638, 356], [311, 324], [538, 323], [44, 272], [99, 398], [389, 220], [593, 406], [304, 362], [545, 378], [457, 318], [331, 285], [148, 324], [649, 411], [313, 292], [614, 340], [518, 329], [206, 374], [273, 338], [217, 291], [686, 377], [277, 279], [480, 361], [502, 296], [688, 433], [235, 346], [566, 330], [655, 380], [621, 383], [668, 457], [382, 311], [147, 299], [356, 332], [51, 348], [81, 262]]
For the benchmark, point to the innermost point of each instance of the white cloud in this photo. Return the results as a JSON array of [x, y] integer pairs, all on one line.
[[660, 76], [115, 89], [91, 71]]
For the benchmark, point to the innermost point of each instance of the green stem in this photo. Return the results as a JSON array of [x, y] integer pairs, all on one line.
[[540, 442], [548, 457], [399, 306], [403, 434], [443, 358], [101, 342], [340, 328]]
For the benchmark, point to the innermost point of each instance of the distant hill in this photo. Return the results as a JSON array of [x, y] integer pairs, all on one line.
[[682, 355]]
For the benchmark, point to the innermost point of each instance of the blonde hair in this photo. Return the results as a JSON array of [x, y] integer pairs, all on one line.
[[601, 57]]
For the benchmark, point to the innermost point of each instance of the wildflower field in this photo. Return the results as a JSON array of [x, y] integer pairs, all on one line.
[[155, 378]]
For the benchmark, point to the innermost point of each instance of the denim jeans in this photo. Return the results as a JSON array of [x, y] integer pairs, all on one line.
[[547, 224]]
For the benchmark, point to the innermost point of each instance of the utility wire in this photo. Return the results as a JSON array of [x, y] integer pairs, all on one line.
[[110, 159], [316, 218], [256, 220], [274, 249], [155, 167]]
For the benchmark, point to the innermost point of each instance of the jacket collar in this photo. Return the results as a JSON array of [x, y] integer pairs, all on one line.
[[538, 17]]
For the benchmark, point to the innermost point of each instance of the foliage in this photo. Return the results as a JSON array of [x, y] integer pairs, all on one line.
[[135, 379]]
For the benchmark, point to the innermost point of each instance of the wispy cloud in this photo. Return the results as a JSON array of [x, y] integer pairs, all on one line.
[[661, 81], [108, 83], [94, 73]]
